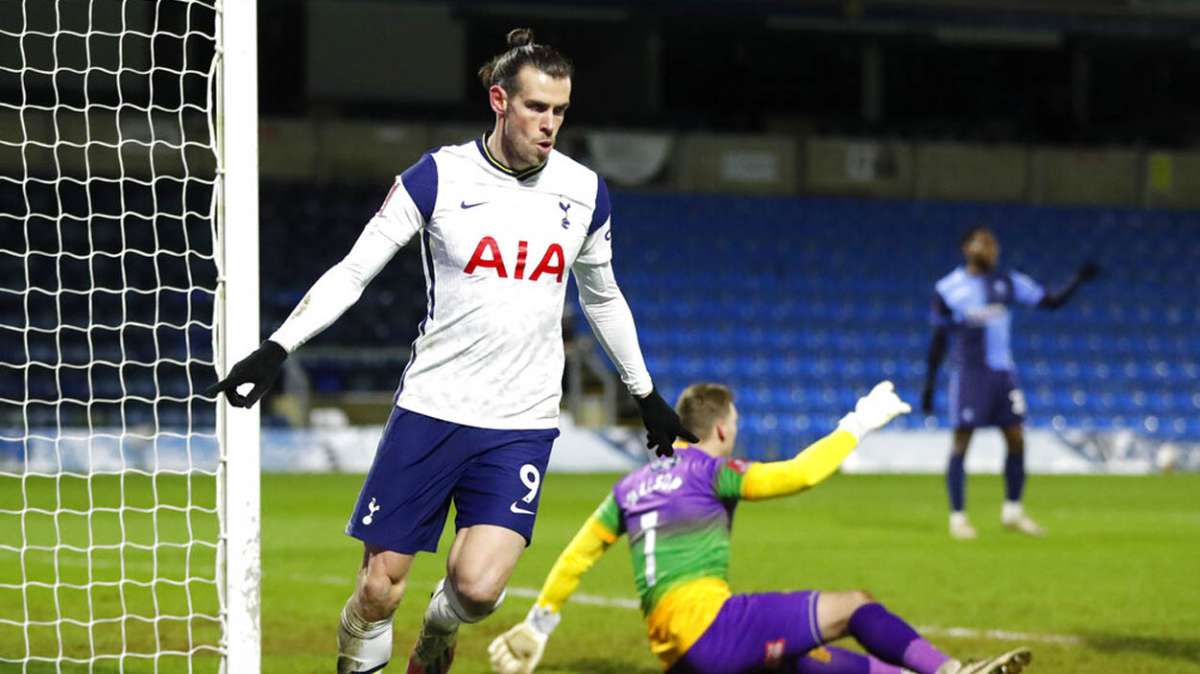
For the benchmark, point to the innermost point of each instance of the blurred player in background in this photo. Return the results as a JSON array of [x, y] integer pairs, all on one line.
[[499, 220], [678, 513], [971, 313]]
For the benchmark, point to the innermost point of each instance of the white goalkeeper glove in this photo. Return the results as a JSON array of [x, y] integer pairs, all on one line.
[[520, 649], [874, 410]]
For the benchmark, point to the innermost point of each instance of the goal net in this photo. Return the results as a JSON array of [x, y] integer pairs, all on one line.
[[115, 542]]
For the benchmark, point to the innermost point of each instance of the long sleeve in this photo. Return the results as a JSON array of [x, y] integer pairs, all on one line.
[[337, 289], [589, 544], [808, 468], [612, 322], [407, 207]]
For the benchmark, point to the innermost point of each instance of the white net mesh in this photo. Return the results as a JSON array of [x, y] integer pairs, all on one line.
[[109, 527]]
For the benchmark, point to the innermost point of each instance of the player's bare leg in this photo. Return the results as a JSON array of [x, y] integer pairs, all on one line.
[[889, 638], [365, 628], [1013, 513], [956, 484], [479, 566]]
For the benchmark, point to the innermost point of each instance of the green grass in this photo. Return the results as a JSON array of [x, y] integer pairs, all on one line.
[[1120, 571]]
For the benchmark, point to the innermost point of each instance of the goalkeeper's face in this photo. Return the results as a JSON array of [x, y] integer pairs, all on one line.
[[532, 116]]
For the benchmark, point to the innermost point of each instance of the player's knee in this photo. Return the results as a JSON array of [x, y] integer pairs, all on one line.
[[479, 595], [380, 594], [858, 598]]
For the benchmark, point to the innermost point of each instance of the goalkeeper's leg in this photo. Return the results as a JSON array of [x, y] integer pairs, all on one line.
[[834, 660], [365, 628], [889, 638]]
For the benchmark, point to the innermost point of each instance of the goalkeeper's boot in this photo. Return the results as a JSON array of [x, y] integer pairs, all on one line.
[[1012, 662], [960, 527], [433, 652], [1013, 517]]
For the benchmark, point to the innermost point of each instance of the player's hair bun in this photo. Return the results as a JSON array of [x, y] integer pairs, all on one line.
[[502, 68], [519, 37]]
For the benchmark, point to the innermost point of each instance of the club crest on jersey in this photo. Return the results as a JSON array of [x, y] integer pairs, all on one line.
[[566, 224], [488, 256]]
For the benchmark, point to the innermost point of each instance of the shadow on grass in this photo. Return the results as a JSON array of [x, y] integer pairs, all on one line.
[[1181, 648], [596, 666]]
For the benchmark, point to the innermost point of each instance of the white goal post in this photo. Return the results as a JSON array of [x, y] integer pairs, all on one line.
[[129, 501], [238, 328]]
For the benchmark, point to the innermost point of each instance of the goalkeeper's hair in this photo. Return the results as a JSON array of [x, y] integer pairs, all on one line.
[[701, 406], [502, 69]]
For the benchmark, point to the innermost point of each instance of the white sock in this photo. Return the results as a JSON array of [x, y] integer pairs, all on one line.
[[363, 646], [958, 518], [446, 610], [1011, 511]]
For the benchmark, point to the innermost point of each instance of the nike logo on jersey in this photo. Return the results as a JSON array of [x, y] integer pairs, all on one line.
[[520, 511], [465, 205]]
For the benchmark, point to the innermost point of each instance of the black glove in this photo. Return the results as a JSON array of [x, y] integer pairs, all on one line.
[[260, 368], [1087, 271], [662, 424], [927, 399]]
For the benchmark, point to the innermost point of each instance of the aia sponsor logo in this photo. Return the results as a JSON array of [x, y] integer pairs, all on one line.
[[488, 256]]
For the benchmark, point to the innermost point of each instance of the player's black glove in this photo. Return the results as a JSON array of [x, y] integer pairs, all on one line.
[[927, 399], [1087, 271], [260, 368], [662, 424]]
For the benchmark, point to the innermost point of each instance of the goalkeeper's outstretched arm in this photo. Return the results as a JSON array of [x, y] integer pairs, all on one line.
[[519, 650], [819, 460]]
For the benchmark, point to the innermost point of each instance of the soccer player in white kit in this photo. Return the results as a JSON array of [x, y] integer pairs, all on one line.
[[499, 220]]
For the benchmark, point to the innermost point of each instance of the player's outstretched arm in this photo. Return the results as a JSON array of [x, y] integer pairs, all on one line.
[[335, 292], [1056, 298], [612, 322], [818, 461], [520, 649]]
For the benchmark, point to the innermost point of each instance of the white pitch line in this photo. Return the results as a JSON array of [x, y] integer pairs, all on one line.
[[930, 630], [634, 604]]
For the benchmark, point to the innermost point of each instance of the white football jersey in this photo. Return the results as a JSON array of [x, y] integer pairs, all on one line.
[[497, 246]]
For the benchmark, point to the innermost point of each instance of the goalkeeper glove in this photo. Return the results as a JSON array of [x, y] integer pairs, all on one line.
[[662, 424], [260, 368], [874, 410], [520, 649]]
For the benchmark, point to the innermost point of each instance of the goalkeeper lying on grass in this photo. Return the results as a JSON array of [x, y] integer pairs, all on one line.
[[678, 512]]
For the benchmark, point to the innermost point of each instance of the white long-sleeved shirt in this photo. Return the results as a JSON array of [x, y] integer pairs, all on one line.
[[496, 245]]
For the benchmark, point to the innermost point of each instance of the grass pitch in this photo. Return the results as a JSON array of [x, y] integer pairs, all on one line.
[[1114, 589]]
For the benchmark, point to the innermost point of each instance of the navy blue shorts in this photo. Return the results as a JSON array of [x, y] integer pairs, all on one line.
[[422, 463], [984, 397]]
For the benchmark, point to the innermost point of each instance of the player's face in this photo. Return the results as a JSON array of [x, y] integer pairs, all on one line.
[[982, 250], [533, 116]]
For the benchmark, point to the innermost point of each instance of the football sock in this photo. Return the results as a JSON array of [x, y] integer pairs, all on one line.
[[446, 610], [1014, 476], [890, 639], [834, 660], [363, 645], [956, 482]]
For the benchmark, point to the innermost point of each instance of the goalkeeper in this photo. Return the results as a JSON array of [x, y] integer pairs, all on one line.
[[678, 513]]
